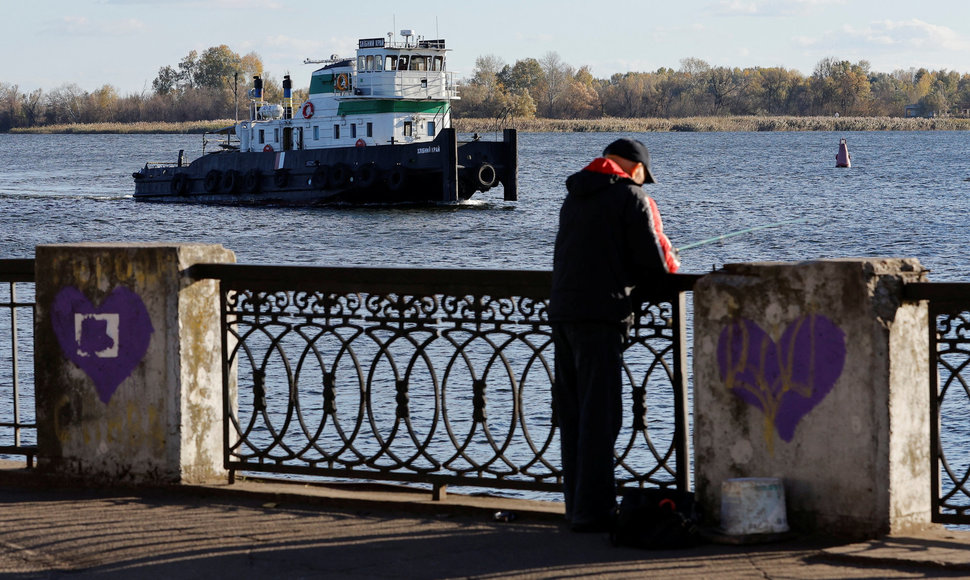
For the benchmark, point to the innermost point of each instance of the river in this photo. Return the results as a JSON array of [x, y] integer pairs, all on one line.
[[906, 195]]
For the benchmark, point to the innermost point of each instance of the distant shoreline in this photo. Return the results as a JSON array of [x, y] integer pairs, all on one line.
[[606, 125], [719, 124]]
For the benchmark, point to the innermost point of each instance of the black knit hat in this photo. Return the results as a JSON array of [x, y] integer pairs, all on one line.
[[632, 150]]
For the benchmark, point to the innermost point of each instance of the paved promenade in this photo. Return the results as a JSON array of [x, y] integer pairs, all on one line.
[[266, 530]]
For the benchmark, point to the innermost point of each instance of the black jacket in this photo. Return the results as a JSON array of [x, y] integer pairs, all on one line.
[[610, 239]]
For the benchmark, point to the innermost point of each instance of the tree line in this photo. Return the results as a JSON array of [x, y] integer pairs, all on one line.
[[212, 85], [550, 88], [215, 85]]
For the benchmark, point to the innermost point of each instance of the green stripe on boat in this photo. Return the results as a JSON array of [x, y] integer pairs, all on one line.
[[322, 83], [373, 107]]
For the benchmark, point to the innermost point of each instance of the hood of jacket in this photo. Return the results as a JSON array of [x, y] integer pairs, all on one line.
[[599, 174]]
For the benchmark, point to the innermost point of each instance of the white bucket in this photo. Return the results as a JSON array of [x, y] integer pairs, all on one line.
[[753, 505]]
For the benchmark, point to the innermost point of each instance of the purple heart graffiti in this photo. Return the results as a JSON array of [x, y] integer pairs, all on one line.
[[106, 342], [786, 380]]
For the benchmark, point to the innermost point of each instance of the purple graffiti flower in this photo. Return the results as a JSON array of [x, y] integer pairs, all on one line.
[[786, 380]]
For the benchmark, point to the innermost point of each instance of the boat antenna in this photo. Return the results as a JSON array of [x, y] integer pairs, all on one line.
[[740, 232]]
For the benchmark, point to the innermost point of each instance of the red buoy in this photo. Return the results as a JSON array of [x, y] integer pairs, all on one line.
[[843, 159]]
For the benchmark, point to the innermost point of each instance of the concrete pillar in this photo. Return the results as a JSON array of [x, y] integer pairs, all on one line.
[[127, 363], [816, 373]]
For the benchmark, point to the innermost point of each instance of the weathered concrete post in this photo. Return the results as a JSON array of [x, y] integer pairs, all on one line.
[[127, 363], [816, 373]]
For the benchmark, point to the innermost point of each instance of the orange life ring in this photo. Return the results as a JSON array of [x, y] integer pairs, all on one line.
[[361, 143], [343, 82], [307, 110], [268, 148]]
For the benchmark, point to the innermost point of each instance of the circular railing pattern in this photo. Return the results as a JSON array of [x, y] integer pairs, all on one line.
[[453, 389], [951, 462]]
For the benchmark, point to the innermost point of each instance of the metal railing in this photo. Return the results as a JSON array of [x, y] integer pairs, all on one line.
[[433, 376], [18, 430], [949, 383]]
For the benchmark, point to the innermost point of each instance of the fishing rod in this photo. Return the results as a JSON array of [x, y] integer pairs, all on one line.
[[740, 232]]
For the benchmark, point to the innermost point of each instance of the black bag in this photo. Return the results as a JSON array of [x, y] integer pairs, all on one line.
[[656, 519]]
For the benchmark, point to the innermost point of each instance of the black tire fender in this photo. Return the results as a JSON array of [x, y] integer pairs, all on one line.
[[339, 175], [281, 177], [180, 184], [253, 181], [230, 181], [365, 175], [212, 180], [321, 177], [395, 178]]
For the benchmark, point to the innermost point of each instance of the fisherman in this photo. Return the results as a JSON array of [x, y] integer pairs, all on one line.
[[610, 239]]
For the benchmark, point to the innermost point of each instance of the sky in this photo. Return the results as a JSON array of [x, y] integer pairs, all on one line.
[[123, 43]]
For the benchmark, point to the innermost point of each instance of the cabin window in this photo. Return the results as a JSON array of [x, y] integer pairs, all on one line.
[[370, 62], [370, 129], [390, 62], [378, 63], [316, 132], [419, 63], [402, 63], [431, 128], [276, 135], [353, 130], [408, 131], [438, 63], [262, 136], [360, 63], [336, 131]]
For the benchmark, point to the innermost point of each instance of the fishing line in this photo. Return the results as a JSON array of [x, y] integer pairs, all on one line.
[[740, 232]]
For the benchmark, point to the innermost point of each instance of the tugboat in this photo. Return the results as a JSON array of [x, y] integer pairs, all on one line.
[[375, 129]]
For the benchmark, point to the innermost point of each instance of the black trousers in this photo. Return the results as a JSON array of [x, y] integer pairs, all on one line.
[[588, 396]]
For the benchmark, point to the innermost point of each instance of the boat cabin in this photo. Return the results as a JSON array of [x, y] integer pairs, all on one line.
[[393, 92]]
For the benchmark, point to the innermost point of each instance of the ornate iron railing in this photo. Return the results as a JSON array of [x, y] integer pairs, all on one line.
[[949, 341], [433, 376], [18, 431]]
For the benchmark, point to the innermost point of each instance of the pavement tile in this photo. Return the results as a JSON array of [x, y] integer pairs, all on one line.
[[255, 529]]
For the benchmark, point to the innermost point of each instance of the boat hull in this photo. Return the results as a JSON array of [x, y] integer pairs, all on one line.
[[440, 171]]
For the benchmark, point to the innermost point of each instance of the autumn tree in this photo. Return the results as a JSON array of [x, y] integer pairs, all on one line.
[[170, 80], [525, 74], [579, 99], [101, 105], [627, 95], [30, 105], [557, 77], [484, 95], [524, 83], [724, 84], [11, 114], [888, 94], [769, 89]]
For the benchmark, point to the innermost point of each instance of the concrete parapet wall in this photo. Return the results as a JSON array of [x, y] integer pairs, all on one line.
[[127, 363], [816, 373]]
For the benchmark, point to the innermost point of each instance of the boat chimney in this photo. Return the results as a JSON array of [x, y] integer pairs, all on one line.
[[287, 97], [257, 96]]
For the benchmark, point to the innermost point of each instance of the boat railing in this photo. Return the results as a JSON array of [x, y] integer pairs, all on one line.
[[221, 138]]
